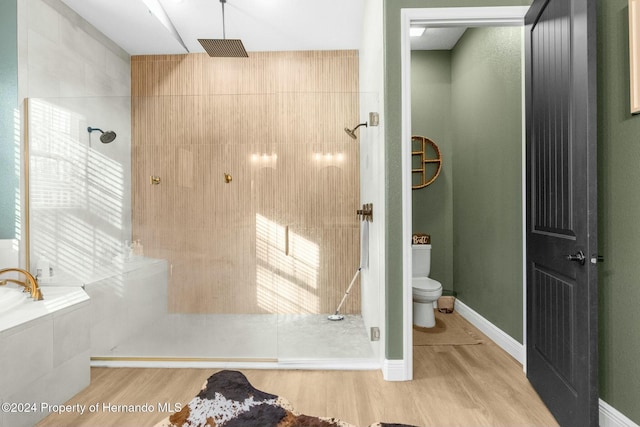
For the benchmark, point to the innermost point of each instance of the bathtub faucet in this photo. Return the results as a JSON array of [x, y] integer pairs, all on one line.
[[30, 283]]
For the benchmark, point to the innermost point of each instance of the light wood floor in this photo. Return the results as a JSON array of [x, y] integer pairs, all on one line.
[[472, 385]]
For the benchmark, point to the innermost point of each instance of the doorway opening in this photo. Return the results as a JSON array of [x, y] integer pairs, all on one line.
[[439, 18]]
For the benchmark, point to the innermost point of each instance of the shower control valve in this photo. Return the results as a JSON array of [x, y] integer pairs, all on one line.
[[366, 213]]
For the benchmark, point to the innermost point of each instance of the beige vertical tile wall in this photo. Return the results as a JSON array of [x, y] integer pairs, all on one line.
[[282, 236]]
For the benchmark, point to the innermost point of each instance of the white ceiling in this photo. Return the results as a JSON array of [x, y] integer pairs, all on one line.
[[262, 25], [438, 38]]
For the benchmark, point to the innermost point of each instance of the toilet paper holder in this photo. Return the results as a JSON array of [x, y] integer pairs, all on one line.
[[366, 213]]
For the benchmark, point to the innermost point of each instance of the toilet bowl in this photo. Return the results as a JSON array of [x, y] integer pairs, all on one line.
[[425, 290]]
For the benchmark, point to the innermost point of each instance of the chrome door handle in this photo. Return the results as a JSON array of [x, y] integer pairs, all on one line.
[[577, 257]]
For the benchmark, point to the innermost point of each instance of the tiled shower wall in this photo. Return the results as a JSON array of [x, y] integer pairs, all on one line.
[[282, 236], [75, 77]]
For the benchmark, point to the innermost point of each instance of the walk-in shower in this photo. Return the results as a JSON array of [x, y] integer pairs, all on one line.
[[240, 270]]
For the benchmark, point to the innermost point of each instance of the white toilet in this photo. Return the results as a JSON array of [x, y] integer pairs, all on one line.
[[425, 290]]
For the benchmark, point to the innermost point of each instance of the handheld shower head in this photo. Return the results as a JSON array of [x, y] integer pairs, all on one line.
[[106, 137], [352, 132]]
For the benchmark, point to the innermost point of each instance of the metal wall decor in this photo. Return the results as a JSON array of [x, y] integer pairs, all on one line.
[[420, 156]]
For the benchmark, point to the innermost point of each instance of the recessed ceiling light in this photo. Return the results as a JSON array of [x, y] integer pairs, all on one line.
[[416, 31]]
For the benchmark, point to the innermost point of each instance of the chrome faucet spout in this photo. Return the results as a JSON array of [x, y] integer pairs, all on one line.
[[30, 283]]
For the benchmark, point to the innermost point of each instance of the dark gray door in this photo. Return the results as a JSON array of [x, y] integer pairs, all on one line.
[[561, 208]]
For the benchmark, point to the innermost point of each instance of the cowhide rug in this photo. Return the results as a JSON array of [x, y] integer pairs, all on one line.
[[229, 400]]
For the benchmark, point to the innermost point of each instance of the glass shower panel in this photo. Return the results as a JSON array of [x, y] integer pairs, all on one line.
[[214, 228], [202, 217], [315, 195], [80, 188], [80, 213], [372, 184]]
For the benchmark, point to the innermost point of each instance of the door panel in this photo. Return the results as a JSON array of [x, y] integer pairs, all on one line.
[[561, 208]]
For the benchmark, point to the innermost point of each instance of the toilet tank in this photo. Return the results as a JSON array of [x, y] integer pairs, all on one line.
[[421, 260]]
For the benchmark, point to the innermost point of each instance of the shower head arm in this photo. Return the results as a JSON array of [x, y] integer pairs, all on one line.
[[224, 31], [361, 124]]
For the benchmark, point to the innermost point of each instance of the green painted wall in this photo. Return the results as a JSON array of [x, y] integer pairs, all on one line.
[[487, 180], [618, 216], [393, 158], [8, 102], [431, 117]]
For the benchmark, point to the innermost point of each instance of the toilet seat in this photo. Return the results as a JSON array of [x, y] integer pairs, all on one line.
[[426, 289]]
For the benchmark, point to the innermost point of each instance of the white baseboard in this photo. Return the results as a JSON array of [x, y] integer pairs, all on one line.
[[395, 370], [497, 335], [611, 417]]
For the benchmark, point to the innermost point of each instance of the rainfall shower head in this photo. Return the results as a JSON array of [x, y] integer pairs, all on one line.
[[224, 48], [352, 132], [106, 137]]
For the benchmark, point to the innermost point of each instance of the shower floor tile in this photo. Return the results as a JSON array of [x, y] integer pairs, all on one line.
[[249, 336], [313, 336]]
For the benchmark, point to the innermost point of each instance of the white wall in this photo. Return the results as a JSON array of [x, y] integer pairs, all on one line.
[[372, 180], [60, 55], [9, 252], [80, 192]]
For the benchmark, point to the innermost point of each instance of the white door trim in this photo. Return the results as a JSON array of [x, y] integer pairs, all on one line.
[[450, 16]]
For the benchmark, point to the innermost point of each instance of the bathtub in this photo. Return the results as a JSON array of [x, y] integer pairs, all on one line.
[[11, 299], [44, 349], [17, 308]]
